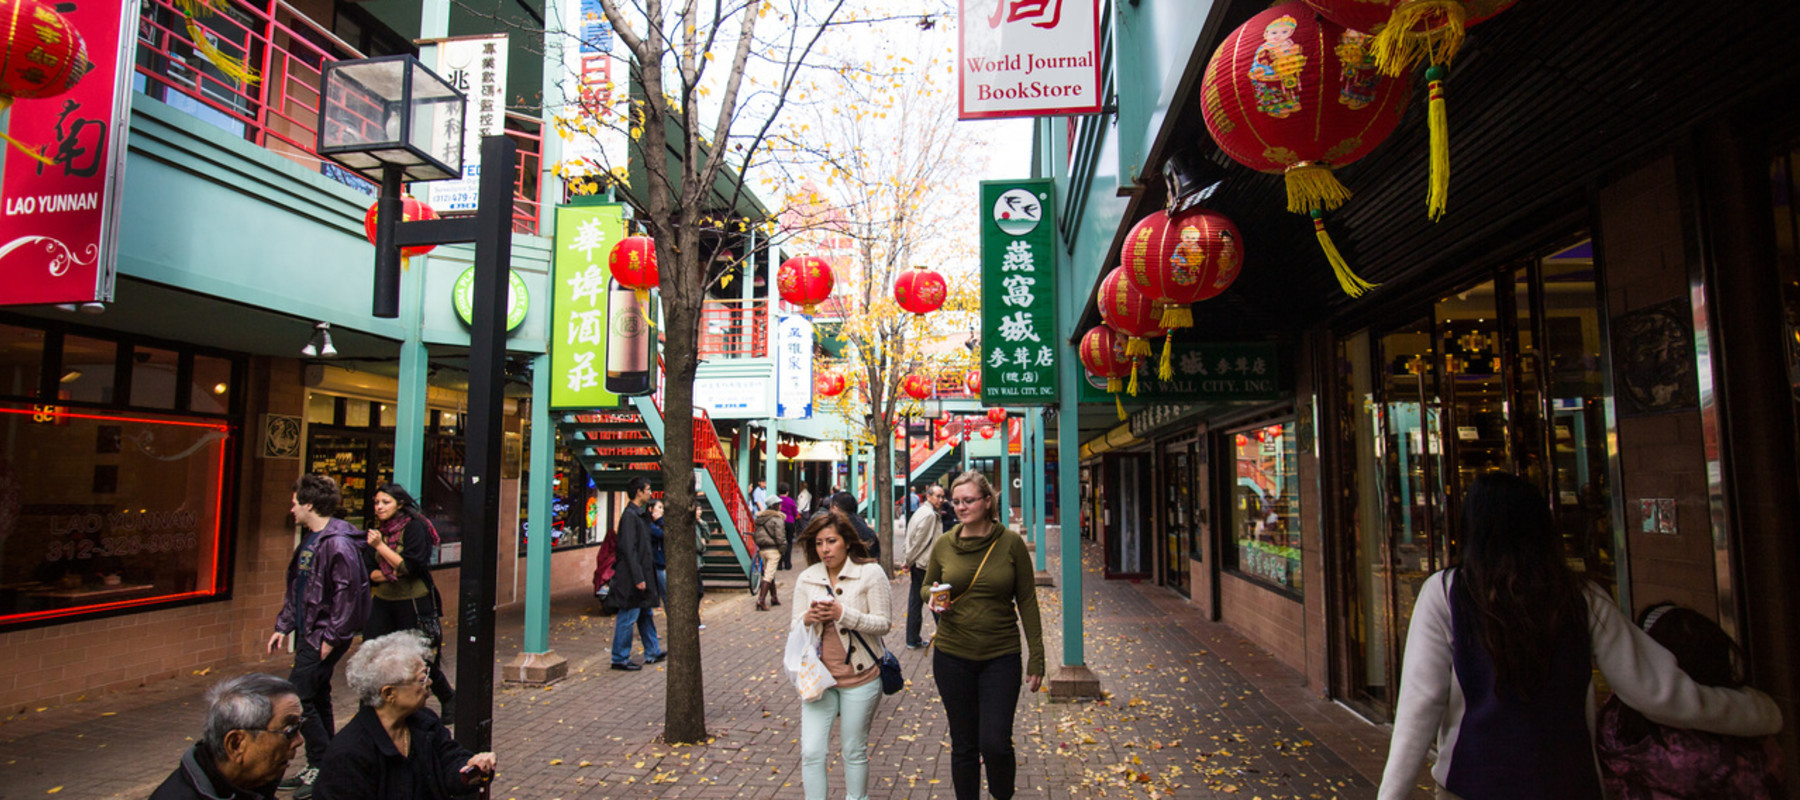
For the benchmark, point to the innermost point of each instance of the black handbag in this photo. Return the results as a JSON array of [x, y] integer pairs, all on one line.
[[891, 679]]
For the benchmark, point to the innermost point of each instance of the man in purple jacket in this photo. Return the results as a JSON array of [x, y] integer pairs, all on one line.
[[326, 604]]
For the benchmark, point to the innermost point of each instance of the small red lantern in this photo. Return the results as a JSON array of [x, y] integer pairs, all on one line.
[[987, 431], [920, 290], [1131, 312], [1292, 93], [1103, 354], [412, 209], [1242, 441], [805, 281], [43, 55], [633, 263], [973, 381], [917, 387], [788, 449], [830, 384], [996, 415]]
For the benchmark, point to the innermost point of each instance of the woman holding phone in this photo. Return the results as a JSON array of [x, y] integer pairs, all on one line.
[[844, 595]]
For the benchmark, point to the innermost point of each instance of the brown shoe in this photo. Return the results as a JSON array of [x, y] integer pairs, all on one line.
[[762, 596], [774, 596]]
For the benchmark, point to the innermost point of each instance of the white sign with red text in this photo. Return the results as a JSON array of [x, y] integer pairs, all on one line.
[[1029, 58]]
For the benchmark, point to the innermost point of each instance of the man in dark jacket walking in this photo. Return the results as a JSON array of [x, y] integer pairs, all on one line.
[[252, 731], [326, 604], [633, 590]]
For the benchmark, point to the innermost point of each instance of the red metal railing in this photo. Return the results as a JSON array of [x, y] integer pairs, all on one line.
[[734, 329], [280, 112], [710, 455]]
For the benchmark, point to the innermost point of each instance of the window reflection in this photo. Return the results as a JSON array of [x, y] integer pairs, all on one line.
[[1265, 512], [21, 361]]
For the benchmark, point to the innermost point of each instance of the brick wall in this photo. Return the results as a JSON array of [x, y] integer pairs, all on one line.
[[1274, 621], [1644, 250]]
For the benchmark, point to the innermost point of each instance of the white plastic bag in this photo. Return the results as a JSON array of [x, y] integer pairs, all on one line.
[[803, 665]]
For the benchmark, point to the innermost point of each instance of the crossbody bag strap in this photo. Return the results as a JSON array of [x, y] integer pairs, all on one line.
[[984, 559]]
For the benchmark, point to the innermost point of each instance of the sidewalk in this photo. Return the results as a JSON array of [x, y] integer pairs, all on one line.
[[1193, 711]]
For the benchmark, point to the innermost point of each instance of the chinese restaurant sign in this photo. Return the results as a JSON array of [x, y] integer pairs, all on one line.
[[1027, 58], [793, 367], [597, 109], [1018, 293], [579, 326], [62, 222], [476, 66], [1211, 371]]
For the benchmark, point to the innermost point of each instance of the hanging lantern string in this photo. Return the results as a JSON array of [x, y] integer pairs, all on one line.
[[1352, 284], [1401, 43], [1113, 385], [234, 68], [1437, 195]]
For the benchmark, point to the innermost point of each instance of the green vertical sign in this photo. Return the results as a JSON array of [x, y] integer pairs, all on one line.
[[1018, 293], [585, 236]]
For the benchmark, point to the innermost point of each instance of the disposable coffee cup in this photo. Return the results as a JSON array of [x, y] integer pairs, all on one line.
[[940, 596]]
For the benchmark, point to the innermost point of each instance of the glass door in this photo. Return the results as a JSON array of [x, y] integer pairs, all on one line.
[[1178, 513]]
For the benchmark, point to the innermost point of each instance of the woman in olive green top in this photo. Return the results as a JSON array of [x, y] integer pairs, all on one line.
[[400, 579], [993, 589]]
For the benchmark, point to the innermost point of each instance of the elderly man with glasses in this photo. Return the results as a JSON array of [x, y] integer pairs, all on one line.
[[252, 732]]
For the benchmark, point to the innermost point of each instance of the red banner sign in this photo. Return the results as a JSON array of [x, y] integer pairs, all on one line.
[[60, 213]]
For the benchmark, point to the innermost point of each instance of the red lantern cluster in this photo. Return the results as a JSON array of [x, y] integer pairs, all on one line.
[[412, 209], [1294, 94], [1103, 355], [43, 53], [920, 290], [805, 281], [996, 415], [1129, 311], [917, 387], [633, 264], [830, 384]]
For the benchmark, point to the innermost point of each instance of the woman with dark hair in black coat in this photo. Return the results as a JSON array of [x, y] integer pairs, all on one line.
[[846, 502], [400, 578]]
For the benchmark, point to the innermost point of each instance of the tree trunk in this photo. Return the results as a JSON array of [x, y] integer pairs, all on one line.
[[685, 705], [881, 503]]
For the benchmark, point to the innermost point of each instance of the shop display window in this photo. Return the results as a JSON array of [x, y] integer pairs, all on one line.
[[103, 510], [21, 361], [153, 377], [209, 390], [1265, 509]]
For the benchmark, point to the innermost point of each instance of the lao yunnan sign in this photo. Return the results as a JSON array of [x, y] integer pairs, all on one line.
[[1027, 58], [1018, 293]]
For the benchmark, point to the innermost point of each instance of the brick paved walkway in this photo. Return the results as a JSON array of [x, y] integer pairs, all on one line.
[[1193, 711]]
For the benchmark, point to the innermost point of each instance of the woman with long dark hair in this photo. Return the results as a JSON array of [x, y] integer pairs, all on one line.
[[1498, 665], [845, 596], [400, 578]]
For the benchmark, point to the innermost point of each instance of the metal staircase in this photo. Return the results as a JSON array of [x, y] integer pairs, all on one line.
[[942, 460]]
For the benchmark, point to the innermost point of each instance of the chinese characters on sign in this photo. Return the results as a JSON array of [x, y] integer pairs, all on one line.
[[1018, 297], [793, 367], [578, 280], [61, 218], [598, 139], [1207, 371], [476, 66], [1025, 58]]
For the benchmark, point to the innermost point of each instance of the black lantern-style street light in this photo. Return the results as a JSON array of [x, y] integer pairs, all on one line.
[[393, 120]]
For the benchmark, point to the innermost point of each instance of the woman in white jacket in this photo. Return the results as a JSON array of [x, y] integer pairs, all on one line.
[[1498, 666], [844, 596]]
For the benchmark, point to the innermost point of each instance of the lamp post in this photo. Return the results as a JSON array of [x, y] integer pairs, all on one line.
[[395, 121]]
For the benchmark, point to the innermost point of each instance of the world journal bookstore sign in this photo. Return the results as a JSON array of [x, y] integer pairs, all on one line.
[[1028, 58], [1018, 293]]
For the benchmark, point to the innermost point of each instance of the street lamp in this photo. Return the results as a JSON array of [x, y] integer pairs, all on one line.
[[393, 120]]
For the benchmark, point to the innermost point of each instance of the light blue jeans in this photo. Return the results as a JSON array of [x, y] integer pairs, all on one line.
[[856, 708], [644, 622]]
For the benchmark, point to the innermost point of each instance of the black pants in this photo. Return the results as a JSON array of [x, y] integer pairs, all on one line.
[[787, 549], [980, 698], [312, 679], [389, 616], [915, 607]]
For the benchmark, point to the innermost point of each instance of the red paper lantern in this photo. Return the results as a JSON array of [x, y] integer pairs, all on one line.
[[1242, 441], [917, 387], [1131, 312], [43, 54], [996, 415], [1103, 355], [412, 209], [1292, 93], [788, 449], [920, 290], [973, 381], [805, 281], [633, 263], [1180, 259], [1407, 31], [987, 431], [830, 384]]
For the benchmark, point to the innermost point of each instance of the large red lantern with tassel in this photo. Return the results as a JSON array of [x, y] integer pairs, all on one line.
[[1410, 31], [1292, 93], [1131, 312], [43, 54], [920, 290], [830, 384], [996, 415], [1179, 259], [412, 209], [917, 387], [633, 264], [805, 281], [1103, 355]]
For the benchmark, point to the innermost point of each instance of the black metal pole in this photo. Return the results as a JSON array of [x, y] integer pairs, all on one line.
[[482, 442], [388, 213]]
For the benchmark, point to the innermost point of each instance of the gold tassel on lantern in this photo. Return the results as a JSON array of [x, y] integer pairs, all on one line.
[[234, 68], [1352, 284], [1166, 369], [1120, 407], [1136, 347], [1437, 194], [1400, 44], [1134, 373], [1311, 186]]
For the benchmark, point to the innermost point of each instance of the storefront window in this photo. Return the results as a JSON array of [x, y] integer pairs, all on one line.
[[1265, 512], [210, 392], [21, 361], [153, 377], [89, 367], [102, 510]]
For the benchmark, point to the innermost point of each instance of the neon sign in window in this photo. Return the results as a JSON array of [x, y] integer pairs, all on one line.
[[102, 511]]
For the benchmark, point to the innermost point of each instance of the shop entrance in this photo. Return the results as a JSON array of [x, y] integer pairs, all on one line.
[[1180, 509], [1504, 374]]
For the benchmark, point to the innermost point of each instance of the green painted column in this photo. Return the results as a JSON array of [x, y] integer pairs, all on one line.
[[410, 407], [1068, 496], [1005, 470], [1129, 71], [771, 467], [1026, 527], [537, 548], [1037, 495], [743, 461]]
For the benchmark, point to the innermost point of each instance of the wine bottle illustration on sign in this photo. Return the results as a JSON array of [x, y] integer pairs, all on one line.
[[628, 341]]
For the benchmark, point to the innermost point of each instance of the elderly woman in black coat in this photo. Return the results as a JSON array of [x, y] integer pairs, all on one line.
[[395, 747]]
